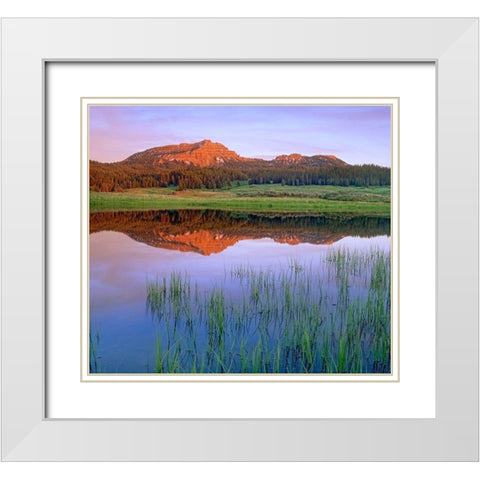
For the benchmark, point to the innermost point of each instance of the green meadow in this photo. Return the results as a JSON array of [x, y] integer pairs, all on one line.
[[366, 201]]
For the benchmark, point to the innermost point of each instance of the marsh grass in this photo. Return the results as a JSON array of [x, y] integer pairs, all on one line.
[[333, 317]]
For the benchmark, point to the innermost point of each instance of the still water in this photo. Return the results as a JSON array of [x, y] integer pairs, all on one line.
[[216, 292]]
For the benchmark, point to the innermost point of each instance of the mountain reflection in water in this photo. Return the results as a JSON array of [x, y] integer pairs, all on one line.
[[212, 231]]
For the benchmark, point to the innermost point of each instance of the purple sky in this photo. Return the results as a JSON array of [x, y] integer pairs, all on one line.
[[356, 134]]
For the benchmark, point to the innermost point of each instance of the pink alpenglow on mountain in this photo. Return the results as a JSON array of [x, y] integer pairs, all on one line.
[[210, 154], [201, 154]]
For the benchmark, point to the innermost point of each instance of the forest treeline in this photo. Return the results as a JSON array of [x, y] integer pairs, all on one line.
[[116, 177]]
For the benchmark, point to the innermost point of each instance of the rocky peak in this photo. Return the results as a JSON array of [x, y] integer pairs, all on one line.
[[314, 160], [202, 154], [291, 158]]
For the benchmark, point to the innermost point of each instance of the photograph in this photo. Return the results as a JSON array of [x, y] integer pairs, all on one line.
[[240, 238]]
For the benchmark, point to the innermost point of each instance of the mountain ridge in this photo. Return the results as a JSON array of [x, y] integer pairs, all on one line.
[[208, 154]]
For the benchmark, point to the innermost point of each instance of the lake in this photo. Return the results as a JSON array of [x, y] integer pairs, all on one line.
[[192, 291]]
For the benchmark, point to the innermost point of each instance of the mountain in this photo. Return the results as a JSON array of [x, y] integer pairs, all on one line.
[[201, 154], [313, 161], [209, 154]]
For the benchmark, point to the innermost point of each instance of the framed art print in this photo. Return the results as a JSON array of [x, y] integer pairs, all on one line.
[[241, 250], [272, 239]]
